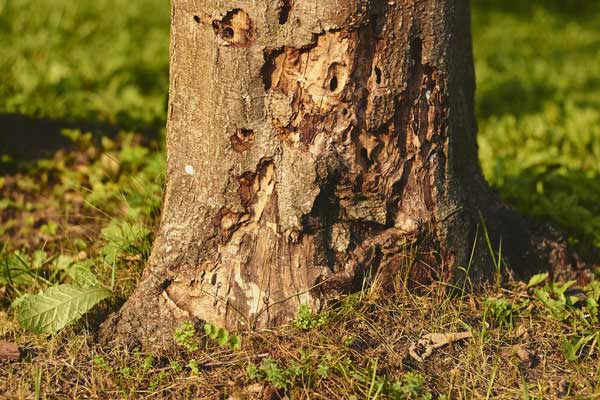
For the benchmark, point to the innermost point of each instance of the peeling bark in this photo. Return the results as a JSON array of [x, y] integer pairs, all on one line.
[[310, 142]]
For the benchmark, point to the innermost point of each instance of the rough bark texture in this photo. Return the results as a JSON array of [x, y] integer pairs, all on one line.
[[309, 143]]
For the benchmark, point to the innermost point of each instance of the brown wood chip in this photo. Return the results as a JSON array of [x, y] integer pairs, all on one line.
[[9, 351]]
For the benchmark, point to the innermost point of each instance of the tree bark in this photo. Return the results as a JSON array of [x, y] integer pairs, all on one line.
[[311, 143]]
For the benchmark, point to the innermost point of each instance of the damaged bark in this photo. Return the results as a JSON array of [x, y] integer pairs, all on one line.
[[309, 144]]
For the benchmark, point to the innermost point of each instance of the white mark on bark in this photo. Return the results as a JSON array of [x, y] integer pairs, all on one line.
[[189, 170]]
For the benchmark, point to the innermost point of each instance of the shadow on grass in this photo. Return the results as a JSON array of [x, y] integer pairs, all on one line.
[[24, 139], [569, 202], [513, 97]]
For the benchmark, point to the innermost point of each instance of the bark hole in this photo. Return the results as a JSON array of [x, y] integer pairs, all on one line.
[[196, 19], [333, 84], [245, 190], [284, 12], [227, 33], [377, 75], [242, 139], [416, 49], [236, 29], [269, 66]]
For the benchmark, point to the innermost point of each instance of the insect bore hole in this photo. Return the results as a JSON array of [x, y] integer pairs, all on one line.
[[333, 84], [227, 33], [377, 75]]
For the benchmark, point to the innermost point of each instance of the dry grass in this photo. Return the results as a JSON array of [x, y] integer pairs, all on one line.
[[363, 343]]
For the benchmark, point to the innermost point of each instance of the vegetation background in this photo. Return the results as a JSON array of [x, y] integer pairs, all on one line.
[[83, 92]]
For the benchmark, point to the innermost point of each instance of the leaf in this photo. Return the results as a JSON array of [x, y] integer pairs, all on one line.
[[235, 343], [58, 306], [82, 275], [211, 330], [572, 349], [556, 307], [222, 337], [537, 279], [121, 237]]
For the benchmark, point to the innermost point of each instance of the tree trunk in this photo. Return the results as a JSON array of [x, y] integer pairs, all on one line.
[[310, 143]]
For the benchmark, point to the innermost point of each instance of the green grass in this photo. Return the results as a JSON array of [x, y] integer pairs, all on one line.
[[85, 214], [105, 60], [538, 97]]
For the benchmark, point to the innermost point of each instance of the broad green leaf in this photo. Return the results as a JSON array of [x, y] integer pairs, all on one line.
[[537, 279], [63, 262], [58, 306], [82, 274]]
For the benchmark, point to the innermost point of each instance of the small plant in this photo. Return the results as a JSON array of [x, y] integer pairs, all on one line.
[[500, 312], [270, 371], [121, 238], [184, 336], [126, 372], [175, 366], [274, 374], [194, 367], [222, 337], [348, 340], [578, 307], [101, 363], [573, 350], [411, 386], [252, 371], [147, 364], [553, 297], [306, 319], [157, 381], [324, 366], [537, 279]]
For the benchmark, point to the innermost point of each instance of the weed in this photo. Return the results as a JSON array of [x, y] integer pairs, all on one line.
[[274, 374], [194, 367], [252, 371], [126, 372], [307, 320], [157, 381], [185, 336], [410, 386], [573, 349], [148, 362], [176, 367], [500, 311], [222, 337], [348, 340]]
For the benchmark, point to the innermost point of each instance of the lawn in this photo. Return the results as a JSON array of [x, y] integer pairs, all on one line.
[[82, 114]]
